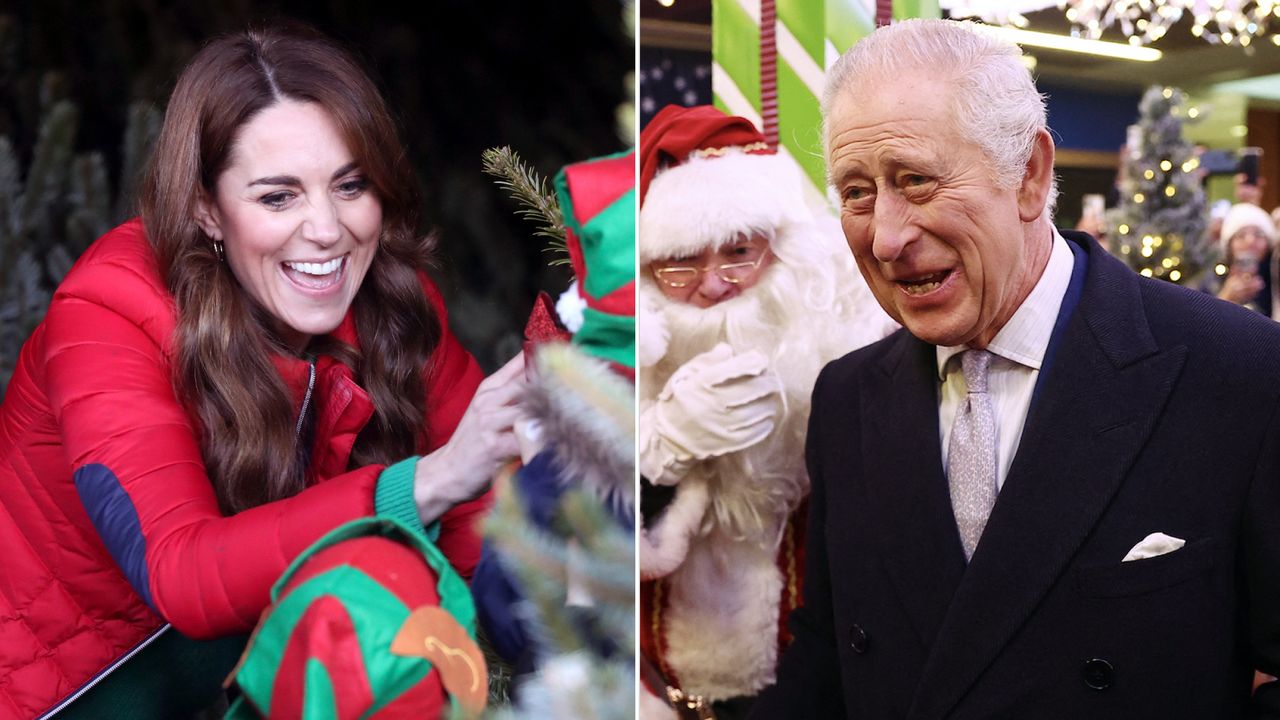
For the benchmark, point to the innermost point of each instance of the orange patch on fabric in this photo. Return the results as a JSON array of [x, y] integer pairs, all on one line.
[[432, 633]]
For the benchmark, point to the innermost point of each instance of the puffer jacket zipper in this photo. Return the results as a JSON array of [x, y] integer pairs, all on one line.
[[102, 674], [306, 401]]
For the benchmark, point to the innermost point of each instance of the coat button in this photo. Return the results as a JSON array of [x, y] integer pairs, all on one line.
[[1098, 674], [858, 639]]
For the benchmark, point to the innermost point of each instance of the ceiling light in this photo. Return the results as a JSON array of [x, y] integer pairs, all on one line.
[[1071, 44]]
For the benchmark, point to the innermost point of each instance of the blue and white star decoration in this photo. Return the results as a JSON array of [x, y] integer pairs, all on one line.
[[672, 77]]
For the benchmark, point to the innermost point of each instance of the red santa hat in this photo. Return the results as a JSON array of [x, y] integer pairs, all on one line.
[[706, 178]]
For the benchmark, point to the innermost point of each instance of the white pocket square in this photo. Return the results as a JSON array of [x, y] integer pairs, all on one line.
[[1153, 545]]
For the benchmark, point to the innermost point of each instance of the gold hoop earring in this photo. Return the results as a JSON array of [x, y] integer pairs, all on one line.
[[218, 250]]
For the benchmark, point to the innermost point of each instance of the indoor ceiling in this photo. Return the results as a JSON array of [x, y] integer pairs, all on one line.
[[1188, 62]]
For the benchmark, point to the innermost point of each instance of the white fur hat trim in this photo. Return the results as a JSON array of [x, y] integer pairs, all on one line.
[[710, 200]]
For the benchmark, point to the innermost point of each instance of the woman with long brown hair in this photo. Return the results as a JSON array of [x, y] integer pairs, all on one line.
[[257, 360]]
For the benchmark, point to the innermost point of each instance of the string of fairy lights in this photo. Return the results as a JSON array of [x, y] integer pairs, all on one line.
[[1219, 22]]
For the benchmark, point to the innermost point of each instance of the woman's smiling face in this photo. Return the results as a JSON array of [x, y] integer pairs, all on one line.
[[297, 218]]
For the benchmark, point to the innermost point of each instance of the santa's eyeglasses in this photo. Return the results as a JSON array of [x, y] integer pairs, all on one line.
[[734, 273]]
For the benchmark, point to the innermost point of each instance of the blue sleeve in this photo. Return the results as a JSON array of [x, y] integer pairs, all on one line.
[[116, 519]]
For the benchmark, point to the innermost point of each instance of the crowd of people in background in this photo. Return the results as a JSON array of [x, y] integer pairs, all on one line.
[[1246, 234], [1248, 270]]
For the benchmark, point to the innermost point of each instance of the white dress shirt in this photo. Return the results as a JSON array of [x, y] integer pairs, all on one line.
[[1019, 350]]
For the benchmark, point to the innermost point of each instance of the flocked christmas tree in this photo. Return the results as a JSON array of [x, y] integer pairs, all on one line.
[[1160, 220], [52, 209], [50, 216]]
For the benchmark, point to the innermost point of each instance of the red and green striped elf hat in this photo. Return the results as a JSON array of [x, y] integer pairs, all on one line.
[[598, 200], [370, 622]]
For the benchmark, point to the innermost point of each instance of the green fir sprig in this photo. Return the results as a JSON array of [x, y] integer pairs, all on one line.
[[534, 194]]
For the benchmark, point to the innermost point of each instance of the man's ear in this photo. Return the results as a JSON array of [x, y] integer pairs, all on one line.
[[207, 216], [1038, 179]]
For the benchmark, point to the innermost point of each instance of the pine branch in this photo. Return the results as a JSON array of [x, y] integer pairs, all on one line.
[[139, 135], [530, 190], [540, 564], [46, 182], [89, 200], [576, 686], [49, 165], [10, 197]]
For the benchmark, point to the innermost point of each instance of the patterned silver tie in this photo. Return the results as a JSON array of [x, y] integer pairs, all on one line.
[[971, 458]]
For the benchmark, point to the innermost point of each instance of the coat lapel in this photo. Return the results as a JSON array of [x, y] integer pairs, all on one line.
[[1100, 400], [906, 489]]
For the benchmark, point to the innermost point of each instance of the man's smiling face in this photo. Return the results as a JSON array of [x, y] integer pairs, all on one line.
[[941, 245]]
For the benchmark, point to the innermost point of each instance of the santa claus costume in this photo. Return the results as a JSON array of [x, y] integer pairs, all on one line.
[[721, 562]]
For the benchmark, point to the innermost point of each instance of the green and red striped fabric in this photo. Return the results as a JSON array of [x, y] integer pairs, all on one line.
[[324, 647], [598, 200]]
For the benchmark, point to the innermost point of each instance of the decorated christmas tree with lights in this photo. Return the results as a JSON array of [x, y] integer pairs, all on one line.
[[1160, 220]]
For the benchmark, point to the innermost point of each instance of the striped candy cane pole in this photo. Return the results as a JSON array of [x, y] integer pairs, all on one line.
[[769, 72], [769, 52], [769, 59]]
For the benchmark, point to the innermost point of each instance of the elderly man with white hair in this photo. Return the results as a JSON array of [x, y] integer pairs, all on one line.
[[1056, 492]]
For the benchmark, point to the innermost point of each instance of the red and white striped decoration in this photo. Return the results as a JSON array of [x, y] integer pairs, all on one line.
[[884, 12], [769, 72]]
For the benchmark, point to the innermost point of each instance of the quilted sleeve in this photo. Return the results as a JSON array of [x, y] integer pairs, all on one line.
[[138, 468], [452, 380]]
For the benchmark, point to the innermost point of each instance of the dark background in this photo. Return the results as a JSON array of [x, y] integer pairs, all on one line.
[[461, 77]]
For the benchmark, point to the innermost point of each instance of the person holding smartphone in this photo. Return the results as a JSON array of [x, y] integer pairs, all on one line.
[[1248, 236]]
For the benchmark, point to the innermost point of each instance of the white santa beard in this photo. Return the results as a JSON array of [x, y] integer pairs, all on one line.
[[769, 317], [754, 490]]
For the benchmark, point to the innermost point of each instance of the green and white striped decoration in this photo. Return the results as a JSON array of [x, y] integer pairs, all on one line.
[[809, 35]]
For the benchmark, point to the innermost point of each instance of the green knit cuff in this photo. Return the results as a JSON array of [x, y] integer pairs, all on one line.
[[393, 497]]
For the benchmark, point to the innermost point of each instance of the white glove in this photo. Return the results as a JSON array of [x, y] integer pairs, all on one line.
[[715, 404]]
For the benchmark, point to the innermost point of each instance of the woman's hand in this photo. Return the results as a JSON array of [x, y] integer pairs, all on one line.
[[483, 442]]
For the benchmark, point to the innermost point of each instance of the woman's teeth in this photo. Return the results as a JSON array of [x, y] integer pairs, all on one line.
[[323, 268]]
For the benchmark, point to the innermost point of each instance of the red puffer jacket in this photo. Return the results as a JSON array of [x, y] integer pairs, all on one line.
[[108, 524]]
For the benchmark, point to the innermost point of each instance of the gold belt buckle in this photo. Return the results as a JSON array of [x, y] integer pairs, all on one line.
[[689, 706]]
